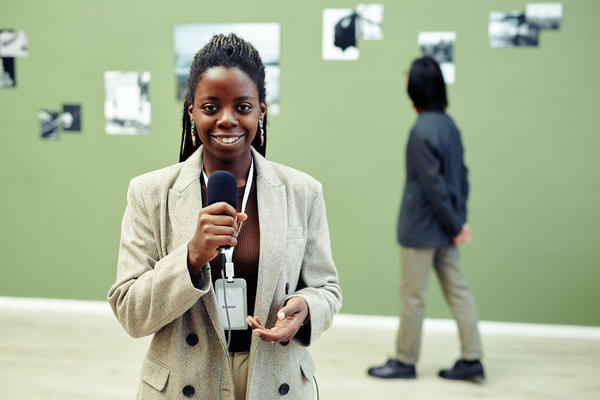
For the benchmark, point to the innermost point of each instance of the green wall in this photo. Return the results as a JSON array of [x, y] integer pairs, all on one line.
[[529, 118]]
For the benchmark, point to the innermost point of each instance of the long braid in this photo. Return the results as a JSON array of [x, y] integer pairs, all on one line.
[[226, 51]]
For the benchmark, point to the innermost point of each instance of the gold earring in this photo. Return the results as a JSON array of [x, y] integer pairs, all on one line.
[[262, 133], [194, 142]]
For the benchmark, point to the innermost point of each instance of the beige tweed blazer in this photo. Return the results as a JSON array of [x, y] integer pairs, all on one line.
[[154, 295]]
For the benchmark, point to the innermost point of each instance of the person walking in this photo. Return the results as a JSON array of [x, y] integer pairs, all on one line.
[[431, 225]]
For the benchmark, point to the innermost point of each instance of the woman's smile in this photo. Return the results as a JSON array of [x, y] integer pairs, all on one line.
[[228, 140]]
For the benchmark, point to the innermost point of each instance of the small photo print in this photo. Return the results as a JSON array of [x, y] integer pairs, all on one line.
[[265, 37], [370, 21], [13, 43], [71, 118], [440, 46], [544, 15], [339, 34], [49, 124], [7, 72], [511, 29], [127, 104]]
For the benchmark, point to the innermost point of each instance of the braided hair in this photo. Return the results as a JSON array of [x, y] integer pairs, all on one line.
[[223, 51]]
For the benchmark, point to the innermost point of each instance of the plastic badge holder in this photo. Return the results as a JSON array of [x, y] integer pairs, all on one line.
[[236, 303]]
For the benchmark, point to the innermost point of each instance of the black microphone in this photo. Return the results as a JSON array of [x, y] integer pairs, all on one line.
[[222, 186]]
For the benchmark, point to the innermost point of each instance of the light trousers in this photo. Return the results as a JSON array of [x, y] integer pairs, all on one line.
[[415, 266], [239, 368]]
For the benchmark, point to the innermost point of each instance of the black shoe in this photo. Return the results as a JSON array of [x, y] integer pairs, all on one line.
[[393, 369], [464, 370]]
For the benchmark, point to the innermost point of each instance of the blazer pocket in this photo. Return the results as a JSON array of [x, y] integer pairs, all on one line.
[[307, 366], [155, 374]]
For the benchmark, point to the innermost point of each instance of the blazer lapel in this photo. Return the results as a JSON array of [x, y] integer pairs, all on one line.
[[272, 216], [184, 203]]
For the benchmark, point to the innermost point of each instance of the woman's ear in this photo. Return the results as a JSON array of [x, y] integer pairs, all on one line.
[[263, 110], [190, 109]]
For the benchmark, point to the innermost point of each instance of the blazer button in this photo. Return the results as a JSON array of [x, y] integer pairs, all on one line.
[[192, 339], [189, 391], [287, 288], [284, 389]]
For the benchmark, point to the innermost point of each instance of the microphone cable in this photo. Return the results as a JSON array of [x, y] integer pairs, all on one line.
[[226, 355]]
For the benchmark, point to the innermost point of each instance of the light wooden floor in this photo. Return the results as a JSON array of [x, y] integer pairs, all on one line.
[[64, 356]]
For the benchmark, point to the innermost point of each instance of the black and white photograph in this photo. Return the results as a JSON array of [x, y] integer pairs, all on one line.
[[511, 29], [13, 43], [127, 103], [440, 46], [544, 15], [189, 38], [49, 124], [370, 21], [340, 34], [7, 72], [71, 118]]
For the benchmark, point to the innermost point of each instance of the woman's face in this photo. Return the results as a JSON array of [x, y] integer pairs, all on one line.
[[226, 111]]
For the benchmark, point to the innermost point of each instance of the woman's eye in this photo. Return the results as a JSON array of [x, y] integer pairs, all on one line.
[[210, 108], [245, 107]]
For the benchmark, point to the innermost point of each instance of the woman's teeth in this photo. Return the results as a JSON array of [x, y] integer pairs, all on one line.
[[228, 139]]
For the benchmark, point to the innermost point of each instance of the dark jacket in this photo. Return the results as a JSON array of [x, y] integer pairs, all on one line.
[[434, 204]]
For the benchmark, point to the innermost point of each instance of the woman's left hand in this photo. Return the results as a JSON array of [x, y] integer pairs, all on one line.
[[289, 319]]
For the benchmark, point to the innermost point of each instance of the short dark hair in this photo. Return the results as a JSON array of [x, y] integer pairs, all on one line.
[[426, 87], [223, 51]]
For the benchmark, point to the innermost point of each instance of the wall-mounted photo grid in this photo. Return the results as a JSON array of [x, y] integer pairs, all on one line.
[[127, 103], [517, 28], [264, 36], [12, 44], [343, 28], [52, 122], [440, 46]]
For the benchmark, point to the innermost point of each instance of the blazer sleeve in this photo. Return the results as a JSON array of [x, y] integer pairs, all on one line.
[[428, 161], [149, 291], [318, 275]]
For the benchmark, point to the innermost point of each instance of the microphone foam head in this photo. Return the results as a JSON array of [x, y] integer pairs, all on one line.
[[222, 186]]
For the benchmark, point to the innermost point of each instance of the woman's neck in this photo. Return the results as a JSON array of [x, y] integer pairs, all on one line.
[[239, 167]]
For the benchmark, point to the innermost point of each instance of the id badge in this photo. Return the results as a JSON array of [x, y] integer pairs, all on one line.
[[236, 303]]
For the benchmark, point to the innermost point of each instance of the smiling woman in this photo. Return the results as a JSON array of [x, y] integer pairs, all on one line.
[[226, 112], [171, 240]]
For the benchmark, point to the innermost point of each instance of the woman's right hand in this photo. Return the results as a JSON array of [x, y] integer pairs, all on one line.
[[217, 226]]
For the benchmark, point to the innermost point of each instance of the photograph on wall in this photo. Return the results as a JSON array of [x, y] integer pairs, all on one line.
[[544, 15], [440, 46], [265, 37], [370, 21], [13, 43], [7, 72], [511, 29], [71, 118], [127, 103], [49, 124], [339, 34]]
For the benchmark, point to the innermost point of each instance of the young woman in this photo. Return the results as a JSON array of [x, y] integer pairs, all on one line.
[[168, 257]]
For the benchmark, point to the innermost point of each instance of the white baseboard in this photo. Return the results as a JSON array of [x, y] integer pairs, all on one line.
[[486, 327], [340, 320]]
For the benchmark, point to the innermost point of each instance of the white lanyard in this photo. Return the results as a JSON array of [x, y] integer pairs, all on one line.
[[229, 273]]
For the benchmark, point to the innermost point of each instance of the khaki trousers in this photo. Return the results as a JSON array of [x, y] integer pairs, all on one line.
[[415, 265], [239, 367]]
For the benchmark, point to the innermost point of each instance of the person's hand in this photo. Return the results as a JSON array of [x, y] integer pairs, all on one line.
[[289, 319], [464, 236], [217, 226]]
